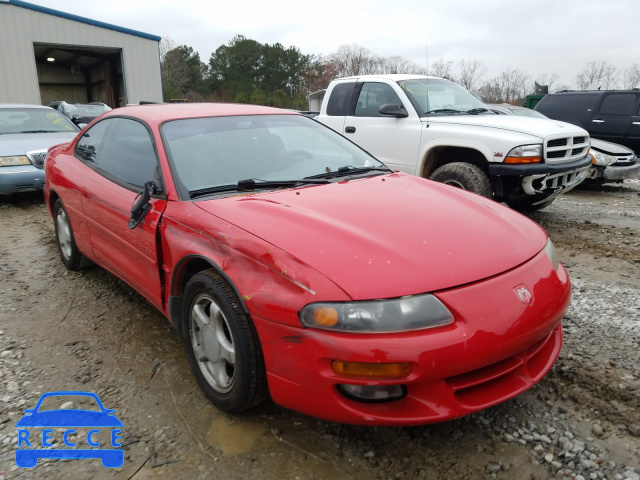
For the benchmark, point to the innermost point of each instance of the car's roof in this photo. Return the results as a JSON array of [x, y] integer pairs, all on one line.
[[172, 111], [22, 105]]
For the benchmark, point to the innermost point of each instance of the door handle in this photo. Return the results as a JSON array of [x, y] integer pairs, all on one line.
[[597, 121], [350, 129], [636, 123]]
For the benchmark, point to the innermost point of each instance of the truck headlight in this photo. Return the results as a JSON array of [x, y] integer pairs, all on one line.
[[14, 161], [525, 154], [602, 159], [413, 312]]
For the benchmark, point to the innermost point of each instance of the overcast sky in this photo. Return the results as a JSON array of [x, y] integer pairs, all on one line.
[[536, 36]]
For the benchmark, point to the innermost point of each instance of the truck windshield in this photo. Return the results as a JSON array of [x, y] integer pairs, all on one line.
[[435, 96]]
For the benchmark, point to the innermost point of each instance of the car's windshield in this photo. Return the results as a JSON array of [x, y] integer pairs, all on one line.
[[81, 110], [33, 120], [527, 112], [435, 96], [212, 152]]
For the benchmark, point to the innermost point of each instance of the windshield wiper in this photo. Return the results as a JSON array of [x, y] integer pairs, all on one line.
[[37, 131], [251, 184], [444, 110], [350, 170], [475, 111]]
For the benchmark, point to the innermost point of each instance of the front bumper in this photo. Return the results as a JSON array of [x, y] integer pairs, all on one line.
[[23, 178], [496, 348], [615, 173]]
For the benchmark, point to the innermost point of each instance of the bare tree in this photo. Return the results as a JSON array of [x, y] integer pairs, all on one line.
[[441, 69], [548, 80], [397, 64], [631, 77], [175, 72], [513, 85], [352, 60], [166, 45], [471, 72], [597, 75], [491, 92]]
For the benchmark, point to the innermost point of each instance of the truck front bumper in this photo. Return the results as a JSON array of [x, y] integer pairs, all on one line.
[[544, 179]]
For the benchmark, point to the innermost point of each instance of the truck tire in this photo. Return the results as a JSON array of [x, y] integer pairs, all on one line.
[[465, 176]]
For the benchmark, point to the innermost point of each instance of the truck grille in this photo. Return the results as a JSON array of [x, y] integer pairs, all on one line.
[[565, 149], [37, 157]]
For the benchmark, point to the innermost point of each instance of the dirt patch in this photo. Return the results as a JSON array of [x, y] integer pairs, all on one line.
[[89, 331]]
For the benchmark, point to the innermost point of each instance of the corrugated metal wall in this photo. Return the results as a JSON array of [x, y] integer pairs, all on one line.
[[20, 28]]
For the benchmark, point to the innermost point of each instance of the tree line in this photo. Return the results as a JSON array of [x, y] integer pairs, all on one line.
[[246, 71]]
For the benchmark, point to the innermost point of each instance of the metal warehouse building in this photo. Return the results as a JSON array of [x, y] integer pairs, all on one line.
[[48, 55]]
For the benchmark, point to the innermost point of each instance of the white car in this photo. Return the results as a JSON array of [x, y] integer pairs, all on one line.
[[611, 162], [26, 133]]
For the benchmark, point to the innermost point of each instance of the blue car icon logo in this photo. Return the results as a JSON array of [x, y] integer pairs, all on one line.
[[69, 419]]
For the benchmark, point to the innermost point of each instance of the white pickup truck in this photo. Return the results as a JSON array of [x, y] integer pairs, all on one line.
[[436, 129]]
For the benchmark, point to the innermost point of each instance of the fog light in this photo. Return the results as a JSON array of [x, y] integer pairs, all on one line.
[[373, 393]]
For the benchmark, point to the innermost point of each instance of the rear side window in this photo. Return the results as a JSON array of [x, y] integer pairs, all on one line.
[[568, 103], [89, 144], [340, 99], [372, 97], [618, 104]]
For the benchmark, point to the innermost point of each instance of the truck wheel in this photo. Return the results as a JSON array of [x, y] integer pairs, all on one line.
[[465, 176], [528, 206]]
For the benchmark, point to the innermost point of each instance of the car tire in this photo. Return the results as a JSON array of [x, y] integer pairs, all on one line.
[[72, 258], [527, 206], [222, 344], [465, 176]]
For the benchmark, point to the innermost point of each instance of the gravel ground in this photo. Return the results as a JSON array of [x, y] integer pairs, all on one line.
[[62, 330]]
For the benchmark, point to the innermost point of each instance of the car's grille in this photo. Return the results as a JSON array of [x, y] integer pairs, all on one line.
[[37, 157], [565, 149], [480, 387], [625, 160]]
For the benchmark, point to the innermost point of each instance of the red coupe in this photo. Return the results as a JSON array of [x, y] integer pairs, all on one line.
[[299, 267]]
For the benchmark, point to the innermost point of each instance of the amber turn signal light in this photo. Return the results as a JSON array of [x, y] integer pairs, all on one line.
[[371, 370]]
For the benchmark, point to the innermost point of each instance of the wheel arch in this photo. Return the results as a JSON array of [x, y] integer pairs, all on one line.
[[184, 270], [441, 153]]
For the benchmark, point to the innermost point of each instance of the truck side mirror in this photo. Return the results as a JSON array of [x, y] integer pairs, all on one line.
[[393, 110]]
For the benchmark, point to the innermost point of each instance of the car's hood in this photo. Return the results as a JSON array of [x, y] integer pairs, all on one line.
[[610, 148], [20, 143], [388, 236], [536, 127]]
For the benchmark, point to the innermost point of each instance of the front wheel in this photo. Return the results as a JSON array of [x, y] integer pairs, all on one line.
[[465, 176], [222, 344]]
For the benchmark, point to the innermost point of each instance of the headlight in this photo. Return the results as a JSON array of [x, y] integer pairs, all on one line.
[[398, 315], [14, 161], [525, 154], [550, 250], [602, 159]]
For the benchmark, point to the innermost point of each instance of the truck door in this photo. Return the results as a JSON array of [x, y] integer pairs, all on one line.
[[394, 141], [633, 139], [612, 118]]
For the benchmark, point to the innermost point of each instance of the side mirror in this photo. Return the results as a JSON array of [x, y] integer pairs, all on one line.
[[142, 205], [393, 110]]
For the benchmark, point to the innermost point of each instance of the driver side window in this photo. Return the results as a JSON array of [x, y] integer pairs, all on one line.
[[372, 97]]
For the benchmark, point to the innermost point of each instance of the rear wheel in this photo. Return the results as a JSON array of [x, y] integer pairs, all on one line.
[[222, 344], [465, 176], [69, 253]]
